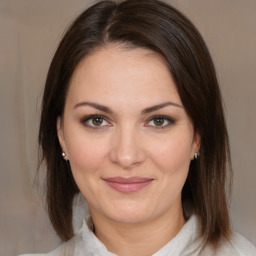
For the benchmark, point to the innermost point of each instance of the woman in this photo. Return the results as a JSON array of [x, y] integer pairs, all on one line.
[[132, 119]]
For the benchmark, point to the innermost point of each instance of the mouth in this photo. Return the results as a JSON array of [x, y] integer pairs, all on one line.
[[128, 185]]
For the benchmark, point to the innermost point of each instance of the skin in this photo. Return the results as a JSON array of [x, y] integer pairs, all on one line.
[[130, 140]]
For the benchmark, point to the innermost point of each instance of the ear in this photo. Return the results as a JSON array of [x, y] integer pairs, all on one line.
[[59, 126], [196, 144]]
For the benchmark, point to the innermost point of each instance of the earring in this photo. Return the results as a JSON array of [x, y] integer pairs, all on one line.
[[197, 155], [63, 154]]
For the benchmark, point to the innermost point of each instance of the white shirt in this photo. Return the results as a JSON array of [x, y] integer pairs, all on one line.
[[186, 243]]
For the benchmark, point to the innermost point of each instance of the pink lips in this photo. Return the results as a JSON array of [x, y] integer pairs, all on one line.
[[128, 185]]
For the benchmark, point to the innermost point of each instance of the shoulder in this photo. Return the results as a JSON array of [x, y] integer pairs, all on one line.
[[66, 249], [242, 246], [236, 246], [62, 250]]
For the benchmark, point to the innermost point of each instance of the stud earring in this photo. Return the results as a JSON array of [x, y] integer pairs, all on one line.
[[63, 154], [197, 155]]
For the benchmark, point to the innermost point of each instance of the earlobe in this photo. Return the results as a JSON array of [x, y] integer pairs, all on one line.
[[196, 145], [197, 140], [60, 134]]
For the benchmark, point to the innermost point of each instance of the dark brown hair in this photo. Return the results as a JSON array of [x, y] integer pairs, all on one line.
[[153, 25]]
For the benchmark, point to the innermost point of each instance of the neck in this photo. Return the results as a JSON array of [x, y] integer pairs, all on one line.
[[138, 239]]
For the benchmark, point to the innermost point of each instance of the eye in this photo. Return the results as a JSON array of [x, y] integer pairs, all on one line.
[[95, 121], [160, 122]]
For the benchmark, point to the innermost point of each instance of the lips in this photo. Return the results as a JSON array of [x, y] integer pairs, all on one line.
[[128, 185]]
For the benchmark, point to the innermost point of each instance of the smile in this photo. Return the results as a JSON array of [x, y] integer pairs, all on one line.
[[128, 185]]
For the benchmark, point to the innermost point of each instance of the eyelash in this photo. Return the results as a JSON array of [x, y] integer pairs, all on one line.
[[87, 119], [165, 119]]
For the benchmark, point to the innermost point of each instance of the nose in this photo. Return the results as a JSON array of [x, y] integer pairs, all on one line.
[[127, 150]]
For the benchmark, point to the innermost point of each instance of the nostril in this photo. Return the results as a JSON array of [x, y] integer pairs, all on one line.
[[127, 158], [127, 149]]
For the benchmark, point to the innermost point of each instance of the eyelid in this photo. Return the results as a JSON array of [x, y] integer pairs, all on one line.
[[168, 118], [89, 117]]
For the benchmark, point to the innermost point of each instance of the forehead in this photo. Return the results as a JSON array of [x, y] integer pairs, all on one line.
[[123, 73]]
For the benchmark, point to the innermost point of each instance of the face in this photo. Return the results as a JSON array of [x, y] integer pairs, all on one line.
[[126, 135]]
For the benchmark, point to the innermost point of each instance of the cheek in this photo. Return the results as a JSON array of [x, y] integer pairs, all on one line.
[[86, 160], [173, 154], [86, 154]]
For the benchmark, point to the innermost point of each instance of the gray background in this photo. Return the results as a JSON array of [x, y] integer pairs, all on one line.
[[29, 33]]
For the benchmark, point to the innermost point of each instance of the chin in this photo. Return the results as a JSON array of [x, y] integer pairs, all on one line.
[[129, 218], [129, 214]]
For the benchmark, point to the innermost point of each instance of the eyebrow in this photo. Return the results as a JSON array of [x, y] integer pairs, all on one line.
[[159, 106], [94, 105], [109, 111]]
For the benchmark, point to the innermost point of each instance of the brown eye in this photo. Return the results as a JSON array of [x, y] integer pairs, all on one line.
[[158, 121], [97, 121]]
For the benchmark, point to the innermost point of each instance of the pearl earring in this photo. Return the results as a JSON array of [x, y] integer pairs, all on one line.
[[197, 155]]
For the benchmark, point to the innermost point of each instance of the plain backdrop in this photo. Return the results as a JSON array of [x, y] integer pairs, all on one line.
[[29, 34]]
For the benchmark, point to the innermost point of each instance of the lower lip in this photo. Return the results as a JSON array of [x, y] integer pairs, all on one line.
[[128, 187]]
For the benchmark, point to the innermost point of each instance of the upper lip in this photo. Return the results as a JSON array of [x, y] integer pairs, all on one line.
[[127, 180]]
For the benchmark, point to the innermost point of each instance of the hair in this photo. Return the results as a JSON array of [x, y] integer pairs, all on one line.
[[159, 27]]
